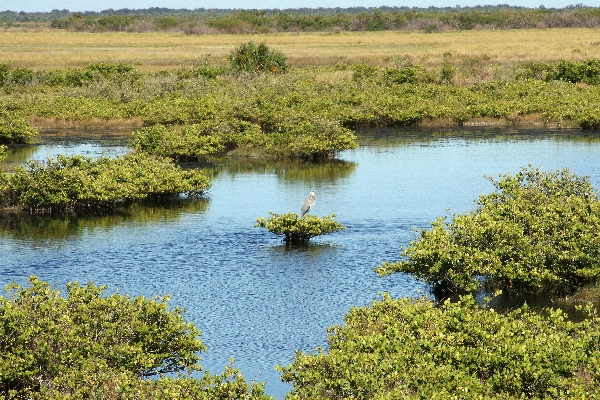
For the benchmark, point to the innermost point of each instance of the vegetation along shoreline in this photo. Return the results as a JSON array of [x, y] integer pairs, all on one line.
[[255, 92]]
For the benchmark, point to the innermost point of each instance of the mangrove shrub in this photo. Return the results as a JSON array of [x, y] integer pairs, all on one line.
[[584, 71], [78, 182], [297, 229], [407, 349], [538, 231], [250, 57], [14, 127], [317, 139], [91, 345]]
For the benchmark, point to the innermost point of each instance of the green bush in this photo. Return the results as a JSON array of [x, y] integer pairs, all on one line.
[[91, 345], [81, 183], [407, 349], [311, 100], [297, 229], [14, 128], [586, 71], [401, 75], [249, 57], [364, 72], [316, 139], [187, 144], [92, 73], [537, 232]]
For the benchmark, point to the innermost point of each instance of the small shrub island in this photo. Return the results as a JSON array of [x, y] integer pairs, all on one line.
[[76, 183], [297, 229]]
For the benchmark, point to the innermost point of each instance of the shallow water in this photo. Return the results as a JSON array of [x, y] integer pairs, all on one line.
[[253, 298]]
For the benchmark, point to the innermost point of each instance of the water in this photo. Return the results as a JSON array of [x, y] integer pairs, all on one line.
[[253, 298]]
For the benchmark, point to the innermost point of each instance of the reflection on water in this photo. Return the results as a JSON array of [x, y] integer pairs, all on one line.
[[291, 171], [34, 228], [253, 298]]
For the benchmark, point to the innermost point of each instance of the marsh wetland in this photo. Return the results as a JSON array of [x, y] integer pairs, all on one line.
[[143, 165], [254, 298]]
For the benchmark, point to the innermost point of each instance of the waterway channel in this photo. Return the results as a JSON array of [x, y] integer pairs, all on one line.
[[255, 299]]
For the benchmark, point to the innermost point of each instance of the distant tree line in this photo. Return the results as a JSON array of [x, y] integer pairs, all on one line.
[[210, 21]]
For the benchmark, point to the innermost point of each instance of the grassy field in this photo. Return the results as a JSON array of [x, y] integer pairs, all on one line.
[[51, 49]]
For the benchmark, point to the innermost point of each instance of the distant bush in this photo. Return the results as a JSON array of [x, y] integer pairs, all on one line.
[[10, 75], [184, 144], [537, 232], [249, 57], [297, 229], [587, 71], [91, 74], [364, 72], [415, 349]]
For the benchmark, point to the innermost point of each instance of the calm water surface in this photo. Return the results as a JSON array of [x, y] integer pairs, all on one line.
[[253, 298]]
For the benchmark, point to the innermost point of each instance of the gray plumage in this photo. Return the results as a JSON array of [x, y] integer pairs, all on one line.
[[308, 202]]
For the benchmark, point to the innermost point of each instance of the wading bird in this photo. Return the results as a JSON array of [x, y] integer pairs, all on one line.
[[308, 202]]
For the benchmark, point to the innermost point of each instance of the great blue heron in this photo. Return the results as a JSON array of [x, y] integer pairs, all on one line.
[[308, 202]]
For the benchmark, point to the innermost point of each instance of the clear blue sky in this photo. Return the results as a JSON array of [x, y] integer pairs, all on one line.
[[99, 5]]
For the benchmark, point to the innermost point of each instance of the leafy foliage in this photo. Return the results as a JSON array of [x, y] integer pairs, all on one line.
[[93, 73], [537, 232], [14, 128], [310, 140], [89, 345], [189, 143], [77, 182], [297, 229], [586, 71], [414, 349], [249, 57]]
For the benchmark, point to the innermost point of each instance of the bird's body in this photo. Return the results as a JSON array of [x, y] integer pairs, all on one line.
[[308, 202]]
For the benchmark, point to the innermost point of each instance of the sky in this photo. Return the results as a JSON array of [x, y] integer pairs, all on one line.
[[96, 5]]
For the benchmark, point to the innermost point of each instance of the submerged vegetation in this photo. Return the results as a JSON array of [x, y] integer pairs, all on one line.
[[297, 229]]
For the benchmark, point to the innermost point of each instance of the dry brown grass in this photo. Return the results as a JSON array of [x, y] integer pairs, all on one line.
[[50, 49]]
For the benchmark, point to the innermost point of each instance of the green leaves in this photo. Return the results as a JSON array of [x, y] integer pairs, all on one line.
[[318, 139], [414, 349], [537, 232], [14, 127], [249, 57], [92, 345], [299, 229], [48, 335], [77, 182]]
